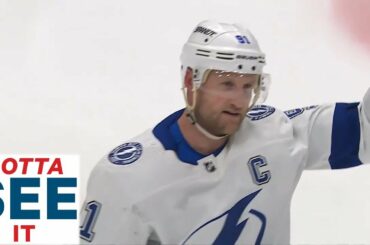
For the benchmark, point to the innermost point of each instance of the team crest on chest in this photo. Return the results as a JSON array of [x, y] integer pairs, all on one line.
[[126, 153], [259, 112]]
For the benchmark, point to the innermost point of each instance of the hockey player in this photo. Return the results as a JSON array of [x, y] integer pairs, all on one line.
[[223, 170]]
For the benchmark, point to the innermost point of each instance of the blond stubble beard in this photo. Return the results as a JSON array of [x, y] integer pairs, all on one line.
[[214, 125]]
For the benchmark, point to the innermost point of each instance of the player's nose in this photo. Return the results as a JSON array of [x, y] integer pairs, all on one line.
[[239, 99]]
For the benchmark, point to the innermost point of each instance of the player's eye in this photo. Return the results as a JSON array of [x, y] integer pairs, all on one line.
[[227, 85], [248, 86]]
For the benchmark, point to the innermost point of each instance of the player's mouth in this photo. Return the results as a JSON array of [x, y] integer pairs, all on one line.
[[232, 114]]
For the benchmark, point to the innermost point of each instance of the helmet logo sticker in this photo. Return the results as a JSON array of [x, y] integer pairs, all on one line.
[[205, 31], [126, 153]]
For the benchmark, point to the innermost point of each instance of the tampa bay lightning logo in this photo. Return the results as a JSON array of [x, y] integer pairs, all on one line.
[[233, 227], [298, 111], [126, 153], [259, 112]]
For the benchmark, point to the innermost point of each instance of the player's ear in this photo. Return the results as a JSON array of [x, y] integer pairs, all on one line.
[[188, 80], [188, 85]]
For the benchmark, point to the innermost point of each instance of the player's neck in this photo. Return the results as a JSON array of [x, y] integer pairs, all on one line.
[[197, 140]]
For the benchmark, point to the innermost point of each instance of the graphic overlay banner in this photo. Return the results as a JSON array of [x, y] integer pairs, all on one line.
[[39, 199]]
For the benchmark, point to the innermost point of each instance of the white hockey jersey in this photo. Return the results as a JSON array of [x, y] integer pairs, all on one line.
[[155, 189]]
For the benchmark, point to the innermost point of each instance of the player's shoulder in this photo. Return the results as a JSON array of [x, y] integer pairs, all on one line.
[[129, 163], [146, 153], [269, 123], [265, 122], [124, 169], [133, 152], [266, 115]]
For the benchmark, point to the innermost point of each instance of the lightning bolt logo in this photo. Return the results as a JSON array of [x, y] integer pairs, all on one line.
[[232, 228]]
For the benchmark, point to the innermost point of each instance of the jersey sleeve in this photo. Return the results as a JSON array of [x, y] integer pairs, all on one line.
[[107, 216], [336, 135]]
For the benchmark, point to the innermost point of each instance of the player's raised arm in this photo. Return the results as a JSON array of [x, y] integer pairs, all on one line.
[[365, 128], [107, 216], [337, 135]]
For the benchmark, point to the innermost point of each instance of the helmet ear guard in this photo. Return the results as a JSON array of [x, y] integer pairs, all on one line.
[[264, 88], [189, 107]]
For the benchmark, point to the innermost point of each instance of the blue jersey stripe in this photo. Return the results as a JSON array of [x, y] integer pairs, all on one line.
[[346, 134]]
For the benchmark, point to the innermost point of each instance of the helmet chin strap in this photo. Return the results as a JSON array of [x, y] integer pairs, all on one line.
[[208, 134], [191, 116]]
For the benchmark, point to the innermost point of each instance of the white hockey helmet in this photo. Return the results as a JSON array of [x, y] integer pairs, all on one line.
[[226, 48], [221, 46]]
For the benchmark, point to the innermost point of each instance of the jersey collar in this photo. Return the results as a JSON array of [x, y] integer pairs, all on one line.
[[169, 134]]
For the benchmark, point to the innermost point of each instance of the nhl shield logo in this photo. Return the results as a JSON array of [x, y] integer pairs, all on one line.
[[126, 153]]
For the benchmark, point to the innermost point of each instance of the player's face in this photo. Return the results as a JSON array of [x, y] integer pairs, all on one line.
[[223, 100]]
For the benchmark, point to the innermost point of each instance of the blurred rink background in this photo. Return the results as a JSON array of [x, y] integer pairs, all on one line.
[[81, 77]]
